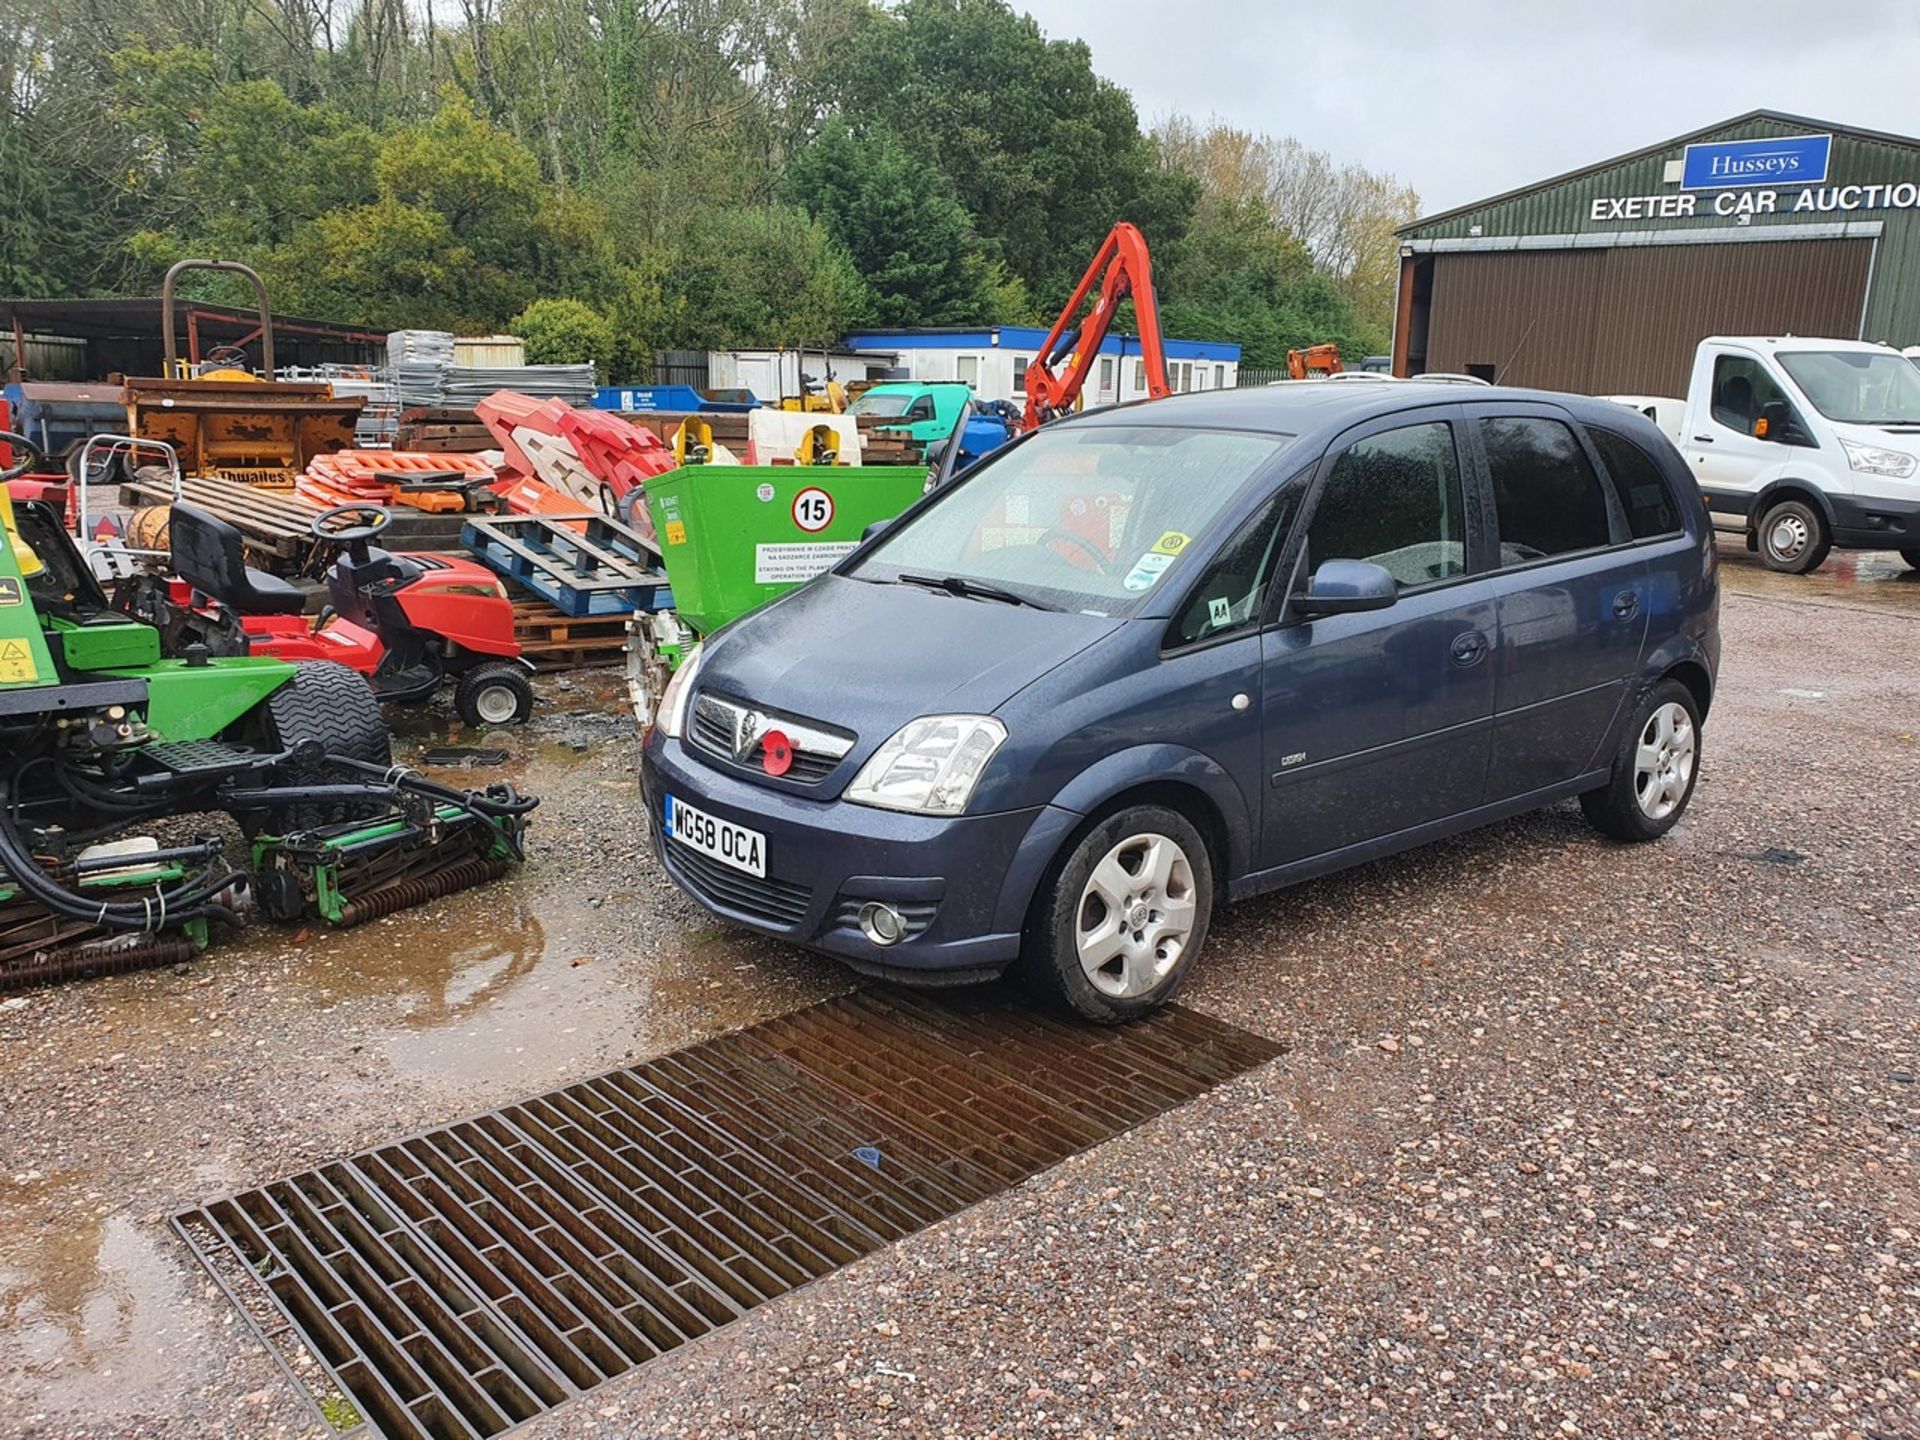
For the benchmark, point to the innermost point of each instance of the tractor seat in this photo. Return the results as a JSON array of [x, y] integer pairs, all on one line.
[[210, 555]]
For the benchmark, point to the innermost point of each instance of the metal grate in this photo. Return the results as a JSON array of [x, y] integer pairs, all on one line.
[[459, 1282]]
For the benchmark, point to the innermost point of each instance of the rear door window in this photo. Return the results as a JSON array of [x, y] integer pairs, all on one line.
[[1394, 499], [1641, 489], [1545, 491]]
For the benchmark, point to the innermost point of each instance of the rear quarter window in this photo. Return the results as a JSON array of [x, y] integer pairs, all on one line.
[[1643, 491]]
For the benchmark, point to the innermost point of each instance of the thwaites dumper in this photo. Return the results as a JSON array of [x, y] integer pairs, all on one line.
[[733, 537], [224, 422], [109, 754]]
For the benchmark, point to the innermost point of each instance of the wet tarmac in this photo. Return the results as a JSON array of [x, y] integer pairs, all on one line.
[[1872, 579]]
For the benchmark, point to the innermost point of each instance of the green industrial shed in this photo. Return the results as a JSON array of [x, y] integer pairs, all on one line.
[[1603, 280]]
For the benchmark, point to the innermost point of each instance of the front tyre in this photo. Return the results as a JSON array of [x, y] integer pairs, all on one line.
[[1654, 768], [494, 694], [1124, 917], [1794, 538]]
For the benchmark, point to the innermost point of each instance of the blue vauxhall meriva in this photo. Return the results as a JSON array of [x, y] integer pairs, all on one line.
[[1168, 654]]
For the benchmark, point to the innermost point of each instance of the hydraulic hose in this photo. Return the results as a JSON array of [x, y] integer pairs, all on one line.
[[190, 900]]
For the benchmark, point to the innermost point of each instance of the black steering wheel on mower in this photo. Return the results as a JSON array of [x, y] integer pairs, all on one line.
[[374, 519], [35, 460]]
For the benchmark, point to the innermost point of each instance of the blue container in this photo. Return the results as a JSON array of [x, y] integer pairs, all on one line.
[[671, 399]]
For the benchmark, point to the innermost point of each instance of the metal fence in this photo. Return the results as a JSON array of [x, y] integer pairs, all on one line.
[[680, 367], [1248, 377]]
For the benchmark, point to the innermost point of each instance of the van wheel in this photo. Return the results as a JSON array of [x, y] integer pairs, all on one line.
[[1125, 916], [1912, 557], [1654, 768], [1794, 538]]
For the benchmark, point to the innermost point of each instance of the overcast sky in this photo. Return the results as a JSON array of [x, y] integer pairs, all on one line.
[[1466, 99]]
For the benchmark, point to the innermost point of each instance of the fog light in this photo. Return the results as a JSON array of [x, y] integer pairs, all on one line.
[[881, 923]]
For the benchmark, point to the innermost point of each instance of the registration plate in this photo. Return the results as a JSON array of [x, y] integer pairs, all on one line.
[[730, 844]]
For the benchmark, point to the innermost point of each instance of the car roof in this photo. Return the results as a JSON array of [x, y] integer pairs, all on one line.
[[1791, 344], [1307, 406]]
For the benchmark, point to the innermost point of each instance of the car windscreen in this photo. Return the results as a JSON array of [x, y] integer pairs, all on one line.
[[888, 406], [1857, 387], [1083, 517]]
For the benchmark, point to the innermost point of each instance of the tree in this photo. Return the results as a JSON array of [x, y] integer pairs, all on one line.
[[564, 332], [911, 240], [761, 276], [1042, 152], [1345, 215]]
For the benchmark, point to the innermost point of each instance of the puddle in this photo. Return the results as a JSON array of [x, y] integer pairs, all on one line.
[[1876, 578], [92, 1303]]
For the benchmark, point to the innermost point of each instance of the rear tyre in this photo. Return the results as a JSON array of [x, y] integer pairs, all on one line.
[[1124, 917], [494, 694], [1912, 557], [332, 706], [1655, 768], [1794, 538]]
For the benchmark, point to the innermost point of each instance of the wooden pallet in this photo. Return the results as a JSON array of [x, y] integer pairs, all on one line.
[[582, 564], [274, 524], [554, 640]]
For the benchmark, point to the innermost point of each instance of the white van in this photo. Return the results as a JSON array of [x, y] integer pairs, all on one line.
[[1813, 443]]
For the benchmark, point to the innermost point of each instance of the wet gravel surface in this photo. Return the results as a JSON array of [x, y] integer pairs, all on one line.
[[1570, 1138]]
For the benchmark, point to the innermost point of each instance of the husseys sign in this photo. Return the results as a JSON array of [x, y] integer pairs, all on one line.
[[1755, 177]]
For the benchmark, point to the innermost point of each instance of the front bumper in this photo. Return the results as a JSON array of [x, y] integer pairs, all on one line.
[[963, 882], [1863, 522]]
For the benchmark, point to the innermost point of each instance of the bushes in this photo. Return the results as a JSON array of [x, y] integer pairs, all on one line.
[[565, 332]]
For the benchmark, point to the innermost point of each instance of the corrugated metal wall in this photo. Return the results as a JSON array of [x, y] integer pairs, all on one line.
[[1565, 208], [1626, 320]]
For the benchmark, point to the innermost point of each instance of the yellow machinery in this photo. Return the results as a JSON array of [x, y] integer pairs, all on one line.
[[225, 422]]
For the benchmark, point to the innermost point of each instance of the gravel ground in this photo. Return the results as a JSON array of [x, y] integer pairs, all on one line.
[[1570, 1138]]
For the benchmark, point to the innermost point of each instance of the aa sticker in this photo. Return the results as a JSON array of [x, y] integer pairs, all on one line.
[[1172, 543], [1149, 568], [676, 532], [16, 663], [9, 591], [1219, 610]]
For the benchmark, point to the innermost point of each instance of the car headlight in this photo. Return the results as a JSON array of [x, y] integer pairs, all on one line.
[[931, 766], [672, 719], [1872, 460]]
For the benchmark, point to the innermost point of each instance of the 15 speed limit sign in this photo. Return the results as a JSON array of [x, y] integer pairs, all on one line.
[[813, 509]]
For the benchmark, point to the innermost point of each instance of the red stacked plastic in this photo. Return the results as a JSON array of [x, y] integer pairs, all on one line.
[[368, 477], [618, 455]]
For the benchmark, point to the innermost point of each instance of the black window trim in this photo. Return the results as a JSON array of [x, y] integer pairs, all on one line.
[[1679, 512], [1473, 498], [1617, 525]]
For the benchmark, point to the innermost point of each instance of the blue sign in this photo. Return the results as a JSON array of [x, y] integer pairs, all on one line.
[[1730, 164]]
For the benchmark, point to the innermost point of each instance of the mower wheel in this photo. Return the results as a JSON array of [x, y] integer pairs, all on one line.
[[494, 694], [333, 705]]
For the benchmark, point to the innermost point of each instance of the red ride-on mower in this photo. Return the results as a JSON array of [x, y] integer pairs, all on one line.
[[407, 622]]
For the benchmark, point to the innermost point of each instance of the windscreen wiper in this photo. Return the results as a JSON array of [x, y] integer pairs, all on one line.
[[972, 590]]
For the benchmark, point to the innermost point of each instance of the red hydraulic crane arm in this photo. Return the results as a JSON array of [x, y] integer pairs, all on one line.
[[1121, 269]]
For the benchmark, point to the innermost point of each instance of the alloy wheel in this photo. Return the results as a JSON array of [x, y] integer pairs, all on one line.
[[1663, 762], [1135, 915]]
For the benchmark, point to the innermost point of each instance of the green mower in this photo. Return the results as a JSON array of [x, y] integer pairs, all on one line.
[[108, 751]]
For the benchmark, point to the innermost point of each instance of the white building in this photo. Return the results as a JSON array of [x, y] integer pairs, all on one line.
[[994, 360]]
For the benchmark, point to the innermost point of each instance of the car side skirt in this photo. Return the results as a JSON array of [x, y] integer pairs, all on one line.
[[1260, 882]]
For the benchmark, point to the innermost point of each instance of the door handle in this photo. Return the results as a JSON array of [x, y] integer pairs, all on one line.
[[1469, 648], [1626, 604], [1703, 439]]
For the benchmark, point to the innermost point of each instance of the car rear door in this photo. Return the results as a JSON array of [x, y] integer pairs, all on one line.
[[1378, 722], [1572, 593]]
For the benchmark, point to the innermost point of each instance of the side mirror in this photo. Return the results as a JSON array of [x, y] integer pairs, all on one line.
[[1346, 587], [1776, 423], [874, 529]]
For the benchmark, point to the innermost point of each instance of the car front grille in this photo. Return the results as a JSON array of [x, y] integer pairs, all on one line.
[[719, 724], [772, 902]]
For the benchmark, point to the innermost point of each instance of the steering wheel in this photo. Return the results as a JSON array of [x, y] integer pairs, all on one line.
[[1092, 551], [35, 458], [324, 528]]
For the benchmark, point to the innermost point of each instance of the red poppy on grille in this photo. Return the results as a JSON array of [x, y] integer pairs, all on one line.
[[776, 753]]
